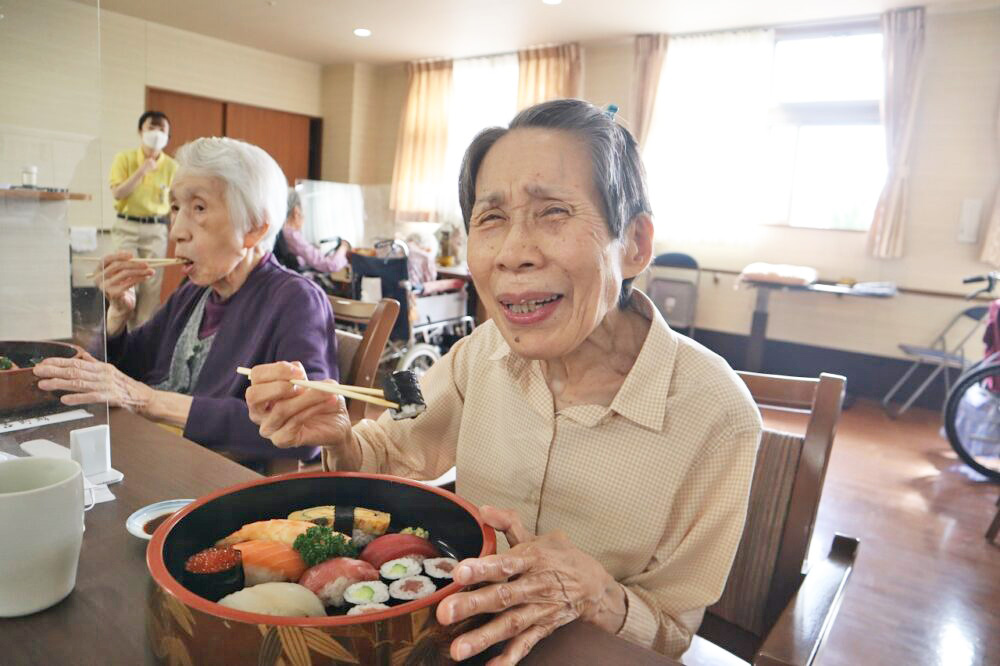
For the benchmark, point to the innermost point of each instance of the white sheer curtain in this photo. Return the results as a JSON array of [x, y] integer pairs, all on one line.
[[707, 138], [483, 94], [903, 31]]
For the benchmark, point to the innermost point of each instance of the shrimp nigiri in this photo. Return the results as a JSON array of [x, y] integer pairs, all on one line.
[[281, 530], [270, 561]]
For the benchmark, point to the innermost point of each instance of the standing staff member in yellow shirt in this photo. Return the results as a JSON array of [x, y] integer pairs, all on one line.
[[140, 183]]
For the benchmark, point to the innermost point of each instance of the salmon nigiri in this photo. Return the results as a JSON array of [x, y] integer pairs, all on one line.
[[281, 530], [270, 561]]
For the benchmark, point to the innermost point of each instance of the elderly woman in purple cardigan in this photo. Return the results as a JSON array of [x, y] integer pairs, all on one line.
[[237, 307]]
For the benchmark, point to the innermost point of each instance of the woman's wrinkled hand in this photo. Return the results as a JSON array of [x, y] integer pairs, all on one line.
[[539, 585], [88, 380], [292, 416], [117, 277]]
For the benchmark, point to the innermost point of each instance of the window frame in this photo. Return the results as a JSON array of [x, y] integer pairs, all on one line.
[[847, 113]]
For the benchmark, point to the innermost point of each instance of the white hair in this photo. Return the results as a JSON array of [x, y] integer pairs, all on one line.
[[255, 187], [424, 240]]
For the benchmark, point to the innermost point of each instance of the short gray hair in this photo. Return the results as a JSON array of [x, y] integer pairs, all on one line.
[[294, 201], [618, 173], [255, 186]]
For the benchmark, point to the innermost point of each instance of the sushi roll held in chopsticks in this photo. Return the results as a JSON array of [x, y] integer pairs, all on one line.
[[403, 388]]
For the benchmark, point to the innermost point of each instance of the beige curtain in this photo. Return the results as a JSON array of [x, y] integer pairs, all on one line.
[[549, 72], [903, 32], [991, 241], [423, 141], [649, 52]]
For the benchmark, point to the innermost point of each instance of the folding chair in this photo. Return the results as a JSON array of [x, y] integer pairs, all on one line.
[[675, 294], [946, 351]]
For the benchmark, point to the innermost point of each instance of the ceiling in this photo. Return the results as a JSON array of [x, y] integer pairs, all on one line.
[[320, 31]]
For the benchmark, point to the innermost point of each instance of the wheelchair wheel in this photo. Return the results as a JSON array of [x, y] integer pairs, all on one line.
[[972, 420], [419, 358]]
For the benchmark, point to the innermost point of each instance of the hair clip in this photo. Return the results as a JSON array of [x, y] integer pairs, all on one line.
[[611, 110]]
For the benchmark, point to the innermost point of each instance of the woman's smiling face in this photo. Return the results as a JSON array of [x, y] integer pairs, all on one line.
[[540, 253]]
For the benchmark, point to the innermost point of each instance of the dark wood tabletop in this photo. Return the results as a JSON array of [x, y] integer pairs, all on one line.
[[103, 620]]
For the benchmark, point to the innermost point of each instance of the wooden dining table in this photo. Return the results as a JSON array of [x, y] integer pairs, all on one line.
[[103, 620]]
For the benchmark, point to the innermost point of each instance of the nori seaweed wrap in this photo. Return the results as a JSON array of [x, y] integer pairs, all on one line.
[[403, 389]]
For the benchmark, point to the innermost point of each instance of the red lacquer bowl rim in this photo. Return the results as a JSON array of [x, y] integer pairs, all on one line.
[[162, 577]]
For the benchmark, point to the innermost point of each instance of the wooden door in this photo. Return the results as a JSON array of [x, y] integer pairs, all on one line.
[[190, 118], [285, 136]]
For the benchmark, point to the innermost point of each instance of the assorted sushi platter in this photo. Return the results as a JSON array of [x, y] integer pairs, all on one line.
[[318, 570], [352, 564]]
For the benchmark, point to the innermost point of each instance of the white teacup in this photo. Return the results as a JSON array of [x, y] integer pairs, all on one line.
[[41, 530]]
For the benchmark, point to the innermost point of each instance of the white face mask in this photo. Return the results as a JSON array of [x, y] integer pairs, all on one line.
[[154, 139]]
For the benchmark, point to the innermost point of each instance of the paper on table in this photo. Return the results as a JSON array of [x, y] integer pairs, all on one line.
[[34, 422]]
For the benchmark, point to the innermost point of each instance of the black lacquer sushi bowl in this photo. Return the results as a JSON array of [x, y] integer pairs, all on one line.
[[186, 628]]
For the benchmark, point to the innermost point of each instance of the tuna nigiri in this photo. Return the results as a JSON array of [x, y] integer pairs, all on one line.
[[280, 529], [268, 561], [394, 546], [329, 579]]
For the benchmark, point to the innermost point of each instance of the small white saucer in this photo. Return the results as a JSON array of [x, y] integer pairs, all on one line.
[[135, 523]]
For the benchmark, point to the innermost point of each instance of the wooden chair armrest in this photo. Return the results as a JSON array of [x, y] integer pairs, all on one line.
[[801, 628]]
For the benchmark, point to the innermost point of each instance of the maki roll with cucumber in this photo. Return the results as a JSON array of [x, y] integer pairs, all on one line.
[[367, 592]]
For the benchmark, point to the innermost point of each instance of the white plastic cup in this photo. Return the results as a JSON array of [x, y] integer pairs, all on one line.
[[29, 176], [41, 531]]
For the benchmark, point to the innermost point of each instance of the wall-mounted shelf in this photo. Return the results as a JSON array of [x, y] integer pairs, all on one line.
[[42, 195]]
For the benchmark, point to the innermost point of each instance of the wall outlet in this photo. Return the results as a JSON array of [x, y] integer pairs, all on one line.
[[968, 221]]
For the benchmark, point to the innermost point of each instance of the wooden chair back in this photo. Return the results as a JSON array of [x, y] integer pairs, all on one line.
[[784, 497], [358, 355]]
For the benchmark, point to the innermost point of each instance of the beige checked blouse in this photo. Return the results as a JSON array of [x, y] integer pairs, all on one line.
[[654, 487]]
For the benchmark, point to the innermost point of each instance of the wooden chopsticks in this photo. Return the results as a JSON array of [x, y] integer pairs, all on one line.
[[153, 262], [364, 394]]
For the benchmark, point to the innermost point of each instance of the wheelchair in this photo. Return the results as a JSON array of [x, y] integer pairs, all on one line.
[[432, 316]]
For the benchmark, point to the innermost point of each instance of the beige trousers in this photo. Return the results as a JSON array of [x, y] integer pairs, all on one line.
[[144, 241]]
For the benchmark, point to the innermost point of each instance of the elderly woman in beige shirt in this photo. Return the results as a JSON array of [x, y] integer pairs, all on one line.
[[613, 454]]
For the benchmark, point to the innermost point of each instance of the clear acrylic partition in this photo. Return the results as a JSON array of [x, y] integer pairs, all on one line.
[[53, 203]]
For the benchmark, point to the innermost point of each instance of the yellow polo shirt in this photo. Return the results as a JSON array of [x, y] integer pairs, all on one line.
[[151, 196]]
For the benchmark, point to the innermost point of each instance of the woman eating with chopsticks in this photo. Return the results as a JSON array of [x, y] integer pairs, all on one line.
[[238, 307], [613, 454]]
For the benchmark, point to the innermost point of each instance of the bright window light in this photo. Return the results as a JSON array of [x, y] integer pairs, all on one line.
[[835, 174], [552, 2], [828, 69], [362, 32]]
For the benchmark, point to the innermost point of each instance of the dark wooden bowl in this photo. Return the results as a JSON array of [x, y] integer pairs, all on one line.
[[19, 390], [186, 628]]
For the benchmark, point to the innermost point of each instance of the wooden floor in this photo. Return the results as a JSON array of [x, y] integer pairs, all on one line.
[[926, 587]]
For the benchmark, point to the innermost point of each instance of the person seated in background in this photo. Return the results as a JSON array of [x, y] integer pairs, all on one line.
[[423, 249], [238, 307], [295, 252], [613, 455]]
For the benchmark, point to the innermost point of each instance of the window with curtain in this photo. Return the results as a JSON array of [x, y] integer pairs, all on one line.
[[483, 94], [763, 126], [450, 101]]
